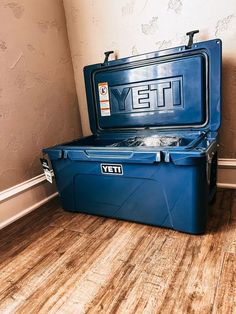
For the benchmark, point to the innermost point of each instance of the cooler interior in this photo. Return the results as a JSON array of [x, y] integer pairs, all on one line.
[[142, 141]]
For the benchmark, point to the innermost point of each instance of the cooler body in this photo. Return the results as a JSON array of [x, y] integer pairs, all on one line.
[[167, 188], [152, 157]]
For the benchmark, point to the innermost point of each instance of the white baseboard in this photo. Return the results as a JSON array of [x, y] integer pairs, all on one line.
[[23, 198], [23, 186], [226, 173]]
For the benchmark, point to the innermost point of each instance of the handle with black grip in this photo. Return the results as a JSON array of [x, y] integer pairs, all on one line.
[[190, 40], [107, 54]]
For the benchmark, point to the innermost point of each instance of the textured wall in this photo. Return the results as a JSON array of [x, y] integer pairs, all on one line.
[[38, 102], [132, 27]]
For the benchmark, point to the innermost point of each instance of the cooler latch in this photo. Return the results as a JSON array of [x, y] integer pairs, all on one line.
[[190, 40]]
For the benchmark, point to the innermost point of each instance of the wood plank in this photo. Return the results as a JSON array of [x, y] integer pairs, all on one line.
[[163, 274], [172, 281], [26, 228], [230, 246], [148, 277], [225, 301], [68, 272]]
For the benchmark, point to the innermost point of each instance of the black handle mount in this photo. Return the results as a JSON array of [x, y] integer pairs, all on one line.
[[190, 40], [107, 54]]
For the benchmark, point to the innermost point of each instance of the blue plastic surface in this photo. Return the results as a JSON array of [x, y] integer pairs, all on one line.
[[176, 88], [175, 92]]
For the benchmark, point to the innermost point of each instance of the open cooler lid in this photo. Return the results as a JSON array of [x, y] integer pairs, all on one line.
[[173, 89]]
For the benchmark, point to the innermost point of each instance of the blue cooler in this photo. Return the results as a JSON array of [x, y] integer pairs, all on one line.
[[152, 157]]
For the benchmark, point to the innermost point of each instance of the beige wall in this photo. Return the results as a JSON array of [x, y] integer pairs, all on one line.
[[135, 27], [38, 102]]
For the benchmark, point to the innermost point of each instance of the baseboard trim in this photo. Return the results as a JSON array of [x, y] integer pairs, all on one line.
[[27, 210], [225, 162], [226, 173], [23, 186], [226, 186], [23, 198]]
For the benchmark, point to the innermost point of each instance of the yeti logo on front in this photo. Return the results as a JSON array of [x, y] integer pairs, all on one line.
[[111, 169]]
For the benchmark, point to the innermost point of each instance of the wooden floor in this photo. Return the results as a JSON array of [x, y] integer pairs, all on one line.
[[57, 262]]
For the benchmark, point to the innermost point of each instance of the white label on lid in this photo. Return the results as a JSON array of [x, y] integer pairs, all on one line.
[[104, 99]]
